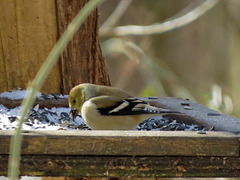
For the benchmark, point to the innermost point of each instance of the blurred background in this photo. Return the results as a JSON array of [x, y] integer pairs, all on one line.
[[199, 60]]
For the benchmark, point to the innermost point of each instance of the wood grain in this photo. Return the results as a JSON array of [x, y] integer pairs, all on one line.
[[47, 103], [128, 166], [30, 29], [28, 33], [196, 113], [129, 143]]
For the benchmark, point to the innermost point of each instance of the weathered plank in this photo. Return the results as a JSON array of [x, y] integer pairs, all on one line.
[[43, 103], [128, 166], [192, 112], [28, 33], [133, 143]]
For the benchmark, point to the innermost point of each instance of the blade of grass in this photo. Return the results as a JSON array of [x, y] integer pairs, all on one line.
[[16, 141]]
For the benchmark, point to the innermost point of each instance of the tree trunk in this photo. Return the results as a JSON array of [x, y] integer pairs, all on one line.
[[82, 61]]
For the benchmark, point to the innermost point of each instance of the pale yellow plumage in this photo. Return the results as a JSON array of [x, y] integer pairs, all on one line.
[[106, 108]]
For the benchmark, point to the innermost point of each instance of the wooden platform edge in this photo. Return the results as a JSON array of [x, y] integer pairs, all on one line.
[[124, 143], [128, 166]]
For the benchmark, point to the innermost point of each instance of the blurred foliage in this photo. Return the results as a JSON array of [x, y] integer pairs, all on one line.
[[148, 91], [194, 61]]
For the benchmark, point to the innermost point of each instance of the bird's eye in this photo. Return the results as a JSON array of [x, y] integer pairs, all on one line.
[[74, 101]]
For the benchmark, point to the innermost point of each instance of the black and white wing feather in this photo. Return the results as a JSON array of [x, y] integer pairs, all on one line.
[[132, 106]]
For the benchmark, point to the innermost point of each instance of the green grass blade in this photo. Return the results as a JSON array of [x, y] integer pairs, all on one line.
[[16, 141]]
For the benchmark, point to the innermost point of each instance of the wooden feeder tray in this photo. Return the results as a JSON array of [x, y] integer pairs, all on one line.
[[134, 153]]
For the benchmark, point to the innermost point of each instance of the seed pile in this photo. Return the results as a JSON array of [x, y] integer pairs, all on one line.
[[41, 119], [166, 124], [59, 119]]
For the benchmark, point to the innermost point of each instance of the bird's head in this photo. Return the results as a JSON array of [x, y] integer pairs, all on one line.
[[76, 100]]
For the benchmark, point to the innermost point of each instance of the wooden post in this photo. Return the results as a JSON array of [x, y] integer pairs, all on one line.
[[29, 30], [28, 33]]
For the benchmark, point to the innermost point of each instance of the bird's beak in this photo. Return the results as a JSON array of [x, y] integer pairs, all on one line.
[[74, 112]]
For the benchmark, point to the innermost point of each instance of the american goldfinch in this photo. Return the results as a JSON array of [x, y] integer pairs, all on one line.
[[109, 108]]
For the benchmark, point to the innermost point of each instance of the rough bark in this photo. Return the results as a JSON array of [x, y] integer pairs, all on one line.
[[82, 61]]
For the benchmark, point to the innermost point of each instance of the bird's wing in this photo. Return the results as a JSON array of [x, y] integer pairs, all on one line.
[[108, 105]]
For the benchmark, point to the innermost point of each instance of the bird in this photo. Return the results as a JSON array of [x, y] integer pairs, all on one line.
[[109, 108]]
